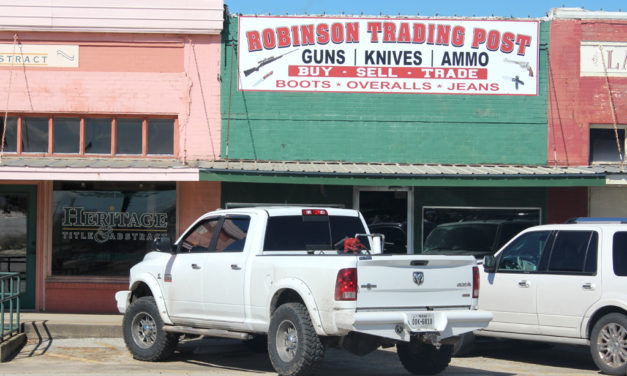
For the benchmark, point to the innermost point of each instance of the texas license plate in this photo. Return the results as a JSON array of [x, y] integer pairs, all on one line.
[[421, 321]]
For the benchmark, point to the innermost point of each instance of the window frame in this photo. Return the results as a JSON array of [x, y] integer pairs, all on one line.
[[143, 153], [594, 127], [545, 263], [180, 249], [541, 267]]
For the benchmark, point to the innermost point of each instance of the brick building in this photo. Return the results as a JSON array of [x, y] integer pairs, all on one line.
[[413, 152], [104, 106], [586, 103]]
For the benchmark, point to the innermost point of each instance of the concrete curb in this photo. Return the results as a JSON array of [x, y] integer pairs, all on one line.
[[12, 346], [45, 329], [44, 326]]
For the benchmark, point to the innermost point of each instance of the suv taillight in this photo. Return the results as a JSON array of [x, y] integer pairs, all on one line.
[[475, 282], [346, 284]]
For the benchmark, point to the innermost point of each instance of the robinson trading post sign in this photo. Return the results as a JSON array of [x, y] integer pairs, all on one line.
[[371, 55]]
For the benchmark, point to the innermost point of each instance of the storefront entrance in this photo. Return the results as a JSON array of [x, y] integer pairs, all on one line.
[[388, 211], [18, 208]]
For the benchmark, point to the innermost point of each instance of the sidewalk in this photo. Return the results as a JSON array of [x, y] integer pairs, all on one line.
[[66, 325]]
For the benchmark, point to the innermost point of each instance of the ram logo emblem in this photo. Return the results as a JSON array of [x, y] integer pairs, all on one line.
[[419, 278]]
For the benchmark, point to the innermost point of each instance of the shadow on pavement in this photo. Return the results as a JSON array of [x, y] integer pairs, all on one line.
[[540, 353], [233, 355]]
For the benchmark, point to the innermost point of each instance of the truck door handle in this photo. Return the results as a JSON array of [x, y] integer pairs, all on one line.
[[195, 266], [235, 267], [523, 284], [588, 286]]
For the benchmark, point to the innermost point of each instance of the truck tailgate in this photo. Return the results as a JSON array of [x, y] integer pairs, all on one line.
[[406, 282]]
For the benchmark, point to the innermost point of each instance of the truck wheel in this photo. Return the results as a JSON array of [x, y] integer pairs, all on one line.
[[608, 344], [293, 345], [143, 331], [424, 359]]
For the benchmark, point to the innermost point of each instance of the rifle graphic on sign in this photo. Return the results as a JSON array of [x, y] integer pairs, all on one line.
[[265, 61]]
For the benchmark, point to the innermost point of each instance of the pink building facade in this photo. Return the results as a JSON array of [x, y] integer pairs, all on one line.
[[105, 109]]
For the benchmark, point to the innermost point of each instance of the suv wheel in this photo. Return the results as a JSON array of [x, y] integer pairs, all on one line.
[[608, 344]]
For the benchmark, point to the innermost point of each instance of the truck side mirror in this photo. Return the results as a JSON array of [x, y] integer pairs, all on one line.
[[377, 244], [162, 244], [489, 264]]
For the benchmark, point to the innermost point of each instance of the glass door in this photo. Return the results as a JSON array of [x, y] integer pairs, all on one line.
[[389, 211], [18, 237]]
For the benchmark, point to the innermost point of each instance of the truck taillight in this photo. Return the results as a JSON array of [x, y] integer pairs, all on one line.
[[315, 212], [475, 282], [346, 284]]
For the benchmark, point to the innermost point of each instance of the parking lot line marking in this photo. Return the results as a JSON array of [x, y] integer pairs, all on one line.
[[74, 358], [106, 345]]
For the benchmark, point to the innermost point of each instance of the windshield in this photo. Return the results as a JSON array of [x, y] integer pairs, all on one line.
[[461, 238]]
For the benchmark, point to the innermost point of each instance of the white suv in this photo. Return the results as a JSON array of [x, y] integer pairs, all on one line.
[[563, 284]]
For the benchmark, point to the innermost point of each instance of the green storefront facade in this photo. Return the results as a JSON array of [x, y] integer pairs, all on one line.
[[362, 134]]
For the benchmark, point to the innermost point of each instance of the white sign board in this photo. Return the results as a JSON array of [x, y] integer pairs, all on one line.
[[39, 55], [601, 58], [371, 55]]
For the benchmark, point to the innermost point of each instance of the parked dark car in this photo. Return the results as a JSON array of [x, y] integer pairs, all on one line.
[[478, 238], [395, 236]]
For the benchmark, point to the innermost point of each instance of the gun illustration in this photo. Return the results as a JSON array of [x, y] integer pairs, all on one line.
[[265, 61], [522, 64]]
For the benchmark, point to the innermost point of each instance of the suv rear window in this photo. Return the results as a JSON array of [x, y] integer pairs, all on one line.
[[619, 254], [298, 233]]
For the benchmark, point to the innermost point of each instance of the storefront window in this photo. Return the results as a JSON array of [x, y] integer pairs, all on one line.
[[35, 134], [129, 136], [605, 145], [473, 231], [102, 229], [67, 134], [97, 136], [10, 134], [161, 136]]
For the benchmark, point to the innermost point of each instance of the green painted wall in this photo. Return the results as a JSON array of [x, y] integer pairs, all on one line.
[[381, 127], [269, 193]]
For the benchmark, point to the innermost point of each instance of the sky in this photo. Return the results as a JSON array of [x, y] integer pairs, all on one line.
[[442, 8]]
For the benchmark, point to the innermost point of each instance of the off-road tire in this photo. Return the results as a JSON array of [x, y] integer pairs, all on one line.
[[424, 359], [293, 345], [608, 341], [143, 331]]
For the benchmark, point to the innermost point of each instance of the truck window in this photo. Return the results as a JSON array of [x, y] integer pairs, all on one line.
[[298, 233], [232, 237], [199, 239]]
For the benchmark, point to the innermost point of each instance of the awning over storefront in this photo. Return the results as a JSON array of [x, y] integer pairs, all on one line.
[[304, 172], [95, 169], [391, 174], [615, 174]]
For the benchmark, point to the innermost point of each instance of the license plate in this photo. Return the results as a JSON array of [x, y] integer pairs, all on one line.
[[422, 320]]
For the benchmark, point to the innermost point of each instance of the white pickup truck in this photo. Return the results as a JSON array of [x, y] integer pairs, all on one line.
[[299, 279]]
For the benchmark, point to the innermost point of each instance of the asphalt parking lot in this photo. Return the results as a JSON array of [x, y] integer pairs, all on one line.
[[108, 356]]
